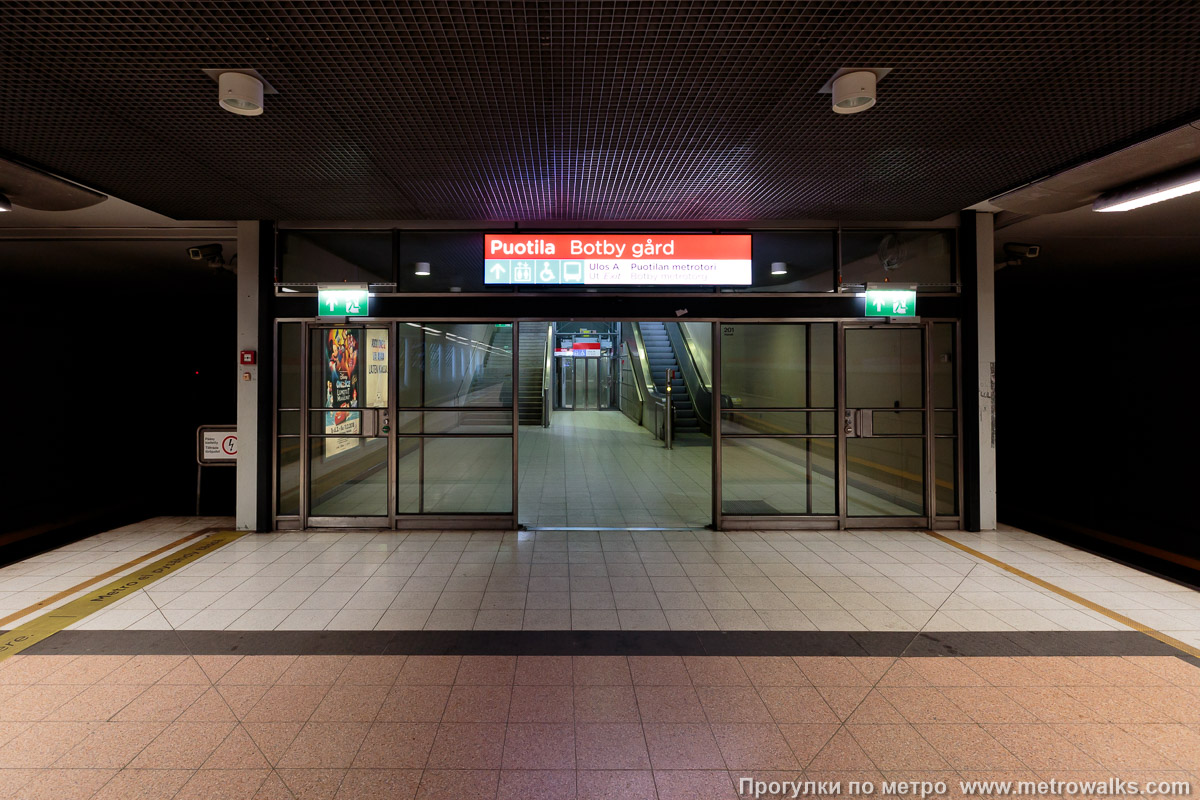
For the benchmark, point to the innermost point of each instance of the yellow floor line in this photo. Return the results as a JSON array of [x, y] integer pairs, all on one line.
[[1083, 601], [50, 623], [79, 587]]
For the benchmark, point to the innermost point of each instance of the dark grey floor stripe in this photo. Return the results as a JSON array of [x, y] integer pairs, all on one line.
[[700, 643]]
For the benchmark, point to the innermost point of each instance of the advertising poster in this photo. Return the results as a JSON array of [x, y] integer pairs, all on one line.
[[341, 389], [377, 368]]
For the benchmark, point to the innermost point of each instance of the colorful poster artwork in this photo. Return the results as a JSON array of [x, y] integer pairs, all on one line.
[[377, 368], [341, 389]]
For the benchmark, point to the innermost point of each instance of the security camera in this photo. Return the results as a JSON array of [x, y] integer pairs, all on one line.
[[206, 252], [1018, 250]]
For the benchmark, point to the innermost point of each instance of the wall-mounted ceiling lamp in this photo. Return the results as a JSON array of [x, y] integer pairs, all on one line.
[[5, 204], [779, 268], [853, 90], [422, 268], [240, 91], [1169, 185]]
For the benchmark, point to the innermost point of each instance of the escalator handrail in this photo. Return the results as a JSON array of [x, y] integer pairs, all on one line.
[[700, 395], [548, 375]]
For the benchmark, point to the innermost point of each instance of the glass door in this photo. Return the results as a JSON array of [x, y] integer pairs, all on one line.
[[884, 425], [347, 462]]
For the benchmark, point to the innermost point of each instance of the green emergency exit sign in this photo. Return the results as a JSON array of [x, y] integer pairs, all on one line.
[[891, 302], [341, 302]]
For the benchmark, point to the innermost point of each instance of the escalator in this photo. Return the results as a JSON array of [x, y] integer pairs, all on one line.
[[532, 339], [667, 346], [662, 357]]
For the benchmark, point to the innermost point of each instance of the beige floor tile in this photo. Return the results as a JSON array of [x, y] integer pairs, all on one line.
[[264, 670], [43, 743], [238, 751], [611, 746], [223, 784], [694, 783], [605, 704], [733, 704], [396, 745], [183, 745], [486, 670], [112, 745], [1040, 747], [896, 747], [772, 671], [442, 784], [272, 738], [371, 671], [659, 671], [968, 747], [472, 703], [543, 784], [350, 704], [542, 704], [682, 746], [58, 784], [796, 704], [470, 745], [807, 740], [421, 703], [544, 671], [324, 745], [291, 703], [601, 670], [615, 785], [379, 784], [428, 670], [312, 784], [161, 703], [539, 746], [144, 784], [670, 704]]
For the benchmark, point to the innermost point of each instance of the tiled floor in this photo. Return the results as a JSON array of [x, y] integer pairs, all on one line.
[[597, 580], [184, 715], [598, 468], [213, 727]]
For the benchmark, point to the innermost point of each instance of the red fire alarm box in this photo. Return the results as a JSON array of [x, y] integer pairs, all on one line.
[[248, 357]]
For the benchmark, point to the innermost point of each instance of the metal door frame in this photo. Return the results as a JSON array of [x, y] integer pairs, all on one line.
[[919, 521], [309, 520], [719, 520]]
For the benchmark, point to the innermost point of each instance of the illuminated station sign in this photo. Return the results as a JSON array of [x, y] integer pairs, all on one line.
[[600, 259]]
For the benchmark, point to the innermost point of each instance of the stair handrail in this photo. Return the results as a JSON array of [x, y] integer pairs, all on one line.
[[548, 377], [700, 395]]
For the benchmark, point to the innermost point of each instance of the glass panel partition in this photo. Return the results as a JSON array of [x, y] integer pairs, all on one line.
[[778, 404], [455, 401]]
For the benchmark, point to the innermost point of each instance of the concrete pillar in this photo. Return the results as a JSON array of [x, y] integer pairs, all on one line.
[[985, 305], [255, 285], [977, 259]]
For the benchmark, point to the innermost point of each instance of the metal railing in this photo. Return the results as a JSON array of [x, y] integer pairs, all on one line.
[[548, 378]]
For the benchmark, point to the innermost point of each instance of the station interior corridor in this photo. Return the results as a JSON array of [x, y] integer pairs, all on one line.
[[600, 469], [587, 664]]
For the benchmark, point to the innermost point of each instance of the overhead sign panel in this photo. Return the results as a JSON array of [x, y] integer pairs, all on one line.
[[343, 302], [599, 259], [892, 301]]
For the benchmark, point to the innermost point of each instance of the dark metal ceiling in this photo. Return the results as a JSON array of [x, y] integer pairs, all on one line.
[[588, 111]]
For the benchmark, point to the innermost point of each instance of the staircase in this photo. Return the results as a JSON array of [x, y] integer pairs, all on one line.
[[661, 357], [532, 341], [497, 366]]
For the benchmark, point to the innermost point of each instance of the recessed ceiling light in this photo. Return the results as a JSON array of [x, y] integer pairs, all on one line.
[[1176, 183], [240, 91], [779, 268], [5, 203], [241, 94], [853, 90], [422, 268]]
